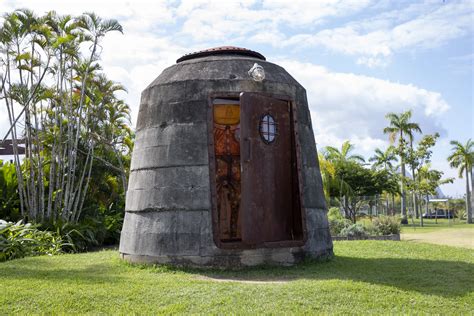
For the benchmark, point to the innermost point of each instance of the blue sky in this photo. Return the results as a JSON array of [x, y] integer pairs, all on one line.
[[357, 59]]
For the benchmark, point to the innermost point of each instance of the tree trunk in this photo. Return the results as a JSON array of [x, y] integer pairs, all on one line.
[[376, 205], [403, 195], [415, 205], [413, 176], [468, 199], [427, 207], [472, 193], [393, 205]]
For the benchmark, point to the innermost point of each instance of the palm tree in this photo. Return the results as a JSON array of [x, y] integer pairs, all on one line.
[[399, 128], [384, 159], [62, 113], [335, 155], [462, 157], [338, 157], [328, 173]]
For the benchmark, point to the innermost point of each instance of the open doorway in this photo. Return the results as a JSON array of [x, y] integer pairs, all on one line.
[[254, 166], [226, 134]]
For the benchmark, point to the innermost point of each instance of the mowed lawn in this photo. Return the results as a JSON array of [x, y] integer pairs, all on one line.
[[444, 232], [431, 225], [377, 277]]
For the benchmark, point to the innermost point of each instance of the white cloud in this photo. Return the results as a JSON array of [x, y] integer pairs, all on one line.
[[372, 40], [349, 106], [344, 105]]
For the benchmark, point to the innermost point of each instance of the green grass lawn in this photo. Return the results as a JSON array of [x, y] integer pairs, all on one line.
[[378, 277], [430, 225]]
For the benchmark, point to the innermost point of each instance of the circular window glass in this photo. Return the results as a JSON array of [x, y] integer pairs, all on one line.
[[268, 130]]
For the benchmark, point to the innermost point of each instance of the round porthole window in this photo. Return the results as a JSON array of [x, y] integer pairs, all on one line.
[[268, 128]]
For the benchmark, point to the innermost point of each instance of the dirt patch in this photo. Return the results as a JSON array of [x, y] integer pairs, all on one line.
[[245, 281], [460, 237]]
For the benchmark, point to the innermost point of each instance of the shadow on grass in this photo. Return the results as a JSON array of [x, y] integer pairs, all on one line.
[[89, 274], [442, 278], [432, 277]]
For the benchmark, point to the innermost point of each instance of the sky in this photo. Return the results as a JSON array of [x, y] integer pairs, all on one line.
[[357, 59]]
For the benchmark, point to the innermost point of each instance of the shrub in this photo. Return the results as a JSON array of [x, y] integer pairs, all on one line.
[[462, 214], [354, 231], [19, 240], [90, 232], [371, 230], [9, 198], [80, 236], [386, 225], [335, 213], [337, 225]]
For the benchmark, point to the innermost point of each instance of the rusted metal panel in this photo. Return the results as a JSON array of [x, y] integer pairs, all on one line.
[[267, 193], [280, 224], [298, 231]]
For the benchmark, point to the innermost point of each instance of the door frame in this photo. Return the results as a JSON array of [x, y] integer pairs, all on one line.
[[212, 172]]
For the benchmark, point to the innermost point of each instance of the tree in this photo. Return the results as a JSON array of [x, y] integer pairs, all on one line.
[[331, 182], [428, 181], [361, 184], [336, 156], [9, 202], [418, 159], [383, 160], [328, 173], [65, 110], [399, 128], [462, 158], [333, 154]]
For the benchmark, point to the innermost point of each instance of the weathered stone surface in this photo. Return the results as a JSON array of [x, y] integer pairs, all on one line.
[[224, 68], [179, 154], [316, 218], [168, 210], [165, 198], [159, 114], [172, 133], [312, 188], [309, 155], [183, 177], [162, 233]]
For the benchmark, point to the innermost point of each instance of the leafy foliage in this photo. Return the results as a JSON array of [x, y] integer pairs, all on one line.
[[356, 230], [462, 158], [75, 128], [335, 213], [337, 225], [386, 225], [9, 202], [19, 240], [382, 225]]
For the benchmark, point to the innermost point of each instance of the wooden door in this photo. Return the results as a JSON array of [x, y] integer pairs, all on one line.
[[267, 179]]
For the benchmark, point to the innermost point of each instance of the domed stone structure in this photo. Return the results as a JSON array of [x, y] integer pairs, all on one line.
[[224, 170]]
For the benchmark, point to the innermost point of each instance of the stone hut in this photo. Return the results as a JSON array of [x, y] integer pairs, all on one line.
[[224, 170]]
